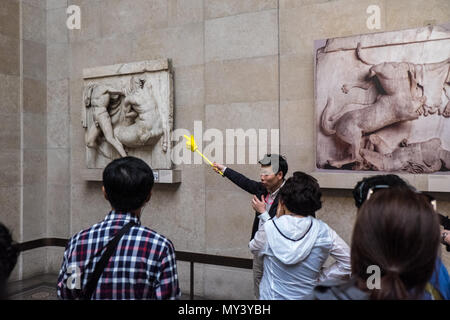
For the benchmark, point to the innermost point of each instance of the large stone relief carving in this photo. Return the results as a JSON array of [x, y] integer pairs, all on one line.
[[383, 101], [128, 110]]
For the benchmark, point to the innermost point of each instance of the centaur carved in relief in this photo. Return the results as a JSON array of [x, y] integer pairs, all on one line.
[[141, 107], [402, 96], [126, 118]]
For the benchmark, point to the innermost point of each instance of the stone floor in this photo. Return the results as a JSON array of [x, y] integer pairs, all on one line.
[[43, 287]]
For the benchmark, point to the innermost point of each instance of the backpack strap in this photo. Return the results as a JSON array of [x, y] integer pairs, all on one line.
[[91, 285]]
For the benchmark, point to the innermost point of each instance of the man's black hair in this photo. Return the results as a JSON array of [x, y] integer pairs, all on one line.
[[301, 194], [379, 181], [8, 258], [278, 163], [127, 182]]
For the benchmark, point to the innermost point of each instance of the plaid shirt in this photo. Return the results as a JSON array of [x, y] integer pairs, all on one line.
[[142, 267]]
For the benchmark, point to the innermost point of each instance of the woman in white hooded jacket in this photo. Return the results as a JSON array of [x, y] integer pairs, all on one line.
[[295, 245]]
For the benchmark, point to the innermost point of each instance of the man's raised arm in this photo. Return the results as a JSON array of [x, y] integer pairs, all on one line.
[[240, 180]]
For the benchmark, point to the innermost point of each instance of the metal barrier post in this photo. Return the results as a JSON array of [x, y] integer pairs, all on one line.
[[191, 289]]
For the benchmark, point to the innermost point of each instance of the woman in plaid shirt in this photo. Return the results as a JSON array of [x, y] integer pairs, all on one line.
[[143, 265]]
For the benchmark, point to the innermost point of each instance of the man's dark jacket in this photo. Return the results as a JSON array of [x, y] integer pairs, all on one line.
[[253, 187]]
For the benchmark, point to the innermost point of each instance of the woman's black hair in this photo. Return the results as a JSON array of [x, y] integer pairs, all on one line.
[[383, 181], [301, 194]]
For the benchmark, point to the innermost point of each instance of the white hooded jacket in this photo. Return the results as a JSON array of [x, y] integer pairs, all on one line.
[[294, 250]]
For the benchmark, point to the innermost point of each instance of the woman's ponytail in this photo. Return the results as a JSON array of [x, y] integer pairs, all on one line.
[[397, 230], [391, 288]]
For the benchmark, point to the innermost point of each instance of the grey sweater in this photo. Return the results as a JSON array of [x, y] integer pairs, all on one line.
[[338, 290]]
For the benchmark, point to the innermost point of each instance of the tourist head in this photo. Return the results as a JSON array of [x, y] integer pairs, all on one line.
[[375, 183], [397, 231], [273, 170], [135, 84], [8, 258], [127, 183], [301, 194]]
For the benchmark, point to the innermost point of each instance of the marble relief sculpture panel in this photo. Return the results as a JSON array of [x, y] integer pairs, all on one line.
[[383, 101], [128, 110]]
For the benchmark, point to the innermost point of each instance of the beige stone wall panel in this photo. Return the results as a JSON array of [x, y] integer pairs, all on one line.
[[224, 80], [218, 8]]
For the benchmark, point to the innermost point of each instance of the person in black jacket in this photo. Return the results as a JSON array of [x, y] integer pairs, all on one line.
[[265, 197]]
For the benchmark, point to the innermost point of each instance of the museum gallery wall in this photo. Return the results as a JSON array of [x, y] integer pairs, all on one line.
[[229, 64]]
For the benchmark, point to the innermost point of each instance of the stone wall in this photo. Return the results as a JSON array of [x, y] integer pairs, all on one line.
[[10, 122], [34, 132], [58, 130], [237, 64], [23, 138], [302, 22]]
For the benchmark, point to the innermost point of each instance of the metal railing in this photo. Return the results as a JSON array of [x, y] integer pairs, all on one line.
[[190, 257]]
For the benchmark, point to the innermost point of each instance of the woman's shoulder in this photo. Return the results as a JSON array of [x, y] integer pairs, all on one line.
[[324, 227]]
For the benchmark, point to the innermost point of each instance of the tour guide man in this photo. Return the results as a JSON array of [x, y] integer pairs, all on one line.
[[265, 200]]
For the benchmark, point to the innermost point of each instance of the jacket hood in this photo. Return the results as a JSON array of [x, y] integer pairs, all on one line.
[[291, 239]]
